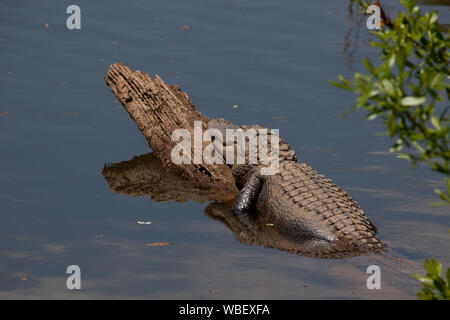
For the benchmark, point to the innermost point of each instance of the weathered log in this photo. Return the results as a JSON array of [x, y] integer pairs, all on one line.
[[158, 109]]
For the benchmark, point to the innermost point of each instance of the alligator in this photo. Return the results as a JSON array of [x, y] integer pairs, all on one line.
[[301, 204]]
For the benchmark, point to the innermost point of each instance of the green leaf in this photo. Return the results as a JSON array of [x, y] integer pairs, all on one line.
[[434, 17], [416, 136], [412, 101], [341, 85], [418, 147], [448, 277], [401, 59], [377, 44], [404, 156], [439, 284], [442, 195], [391, 61], [369, 66], [435, 122], [426, 281], [387, 86]]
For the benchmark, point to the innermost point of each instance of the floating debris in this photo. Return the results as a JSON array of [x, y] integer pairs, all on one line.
[[159, 244], [144, 222], [187, 27], [235, 106]]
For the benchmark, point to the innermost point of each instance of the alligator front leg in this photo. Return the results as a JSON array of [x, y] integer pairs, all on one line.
[[248, 197]]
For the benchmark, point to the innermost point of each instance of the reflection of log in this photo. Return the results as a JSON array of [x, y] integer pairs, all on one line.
[[145, 176], [158, 109]]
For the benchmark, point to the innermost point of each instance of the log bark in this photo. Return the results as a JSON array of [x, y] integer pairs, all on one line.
[[158, 109]]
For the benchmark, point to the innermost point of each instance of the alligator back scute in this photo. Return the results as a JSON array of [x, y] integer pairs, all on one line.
[[299, 198]]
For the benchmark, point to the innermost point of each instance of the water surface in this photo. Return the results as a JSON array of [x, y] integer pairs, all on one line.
[[60, 124]]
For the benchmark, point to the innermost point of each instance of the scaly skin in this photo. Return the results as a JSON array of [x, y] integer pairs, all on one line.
[[303, 205]]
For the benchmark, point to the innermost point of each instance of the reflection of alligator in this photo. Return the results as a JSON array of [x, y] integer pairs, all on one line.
[[144, 175], [301, 204]]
